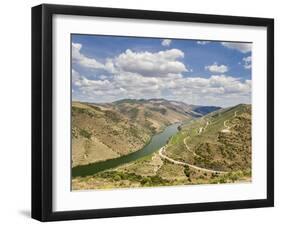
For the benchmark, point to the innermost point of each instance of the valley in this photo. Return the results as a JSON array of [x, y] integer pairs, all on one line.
[[111, 130], [121, 144]]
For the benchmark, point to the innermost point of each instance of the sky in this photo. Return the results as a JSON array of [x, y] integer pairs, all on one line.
[[200, 72]]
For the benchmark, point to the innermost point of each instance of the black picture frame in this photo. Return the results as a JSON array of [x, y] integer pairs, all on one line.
[[42, 111]]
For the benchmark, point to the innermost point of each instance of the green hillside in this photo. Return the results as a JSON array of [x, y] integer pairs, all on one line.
[[218, 141]]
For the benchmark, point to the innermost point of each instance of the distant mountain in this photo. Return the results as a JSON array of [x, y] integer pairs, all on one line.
[[109, 130], [203, 110], [154, 114], [160, 112], [178, 106]]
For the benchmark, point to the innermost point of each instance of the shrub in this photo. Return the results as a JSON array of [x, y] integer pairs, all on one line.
[[116, 178], [187, 171], [85, 133], [77, 110]]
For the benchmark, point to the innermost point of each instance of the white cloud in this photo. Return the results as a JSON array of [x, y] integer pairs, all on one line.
[[146, 63], [215, 68], [202, 42], [247, 62], [242, 47], [82, 81], [166, 42], [230, 84], [157, 64], [153, 75], [83, 60], [215, 90]]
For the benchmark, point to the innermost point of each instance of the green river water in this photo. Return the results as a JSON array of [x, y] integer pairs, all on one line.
[[156, 142]]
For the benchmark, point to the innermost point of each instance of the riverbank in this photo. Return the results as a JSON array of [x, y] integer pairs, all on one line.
[[153, 171], [156, 142]]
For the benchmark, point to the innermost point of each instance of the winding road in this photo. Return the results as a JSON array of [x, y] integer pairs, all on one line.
[[188, 148], [201, 129], [187, 164], [224, 123], [227, 128]]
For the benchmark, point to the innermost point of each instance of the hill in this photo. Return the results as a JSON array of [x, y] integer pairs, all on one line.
[[109, 130], [218, 141], [100, 133], [215, 148], [203, 110], [158, 113], [154, 114]]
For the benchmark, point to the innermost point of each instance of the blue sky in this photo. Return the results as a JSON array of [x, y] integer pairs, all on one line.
[[109, 68]]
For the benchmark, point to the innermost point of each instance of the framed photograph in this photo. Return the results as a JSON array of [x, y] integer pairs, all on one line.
[[145, 112]]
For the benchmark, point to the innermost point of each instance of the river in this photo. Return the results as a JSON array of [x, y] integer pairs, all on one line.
[[156, 142]]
